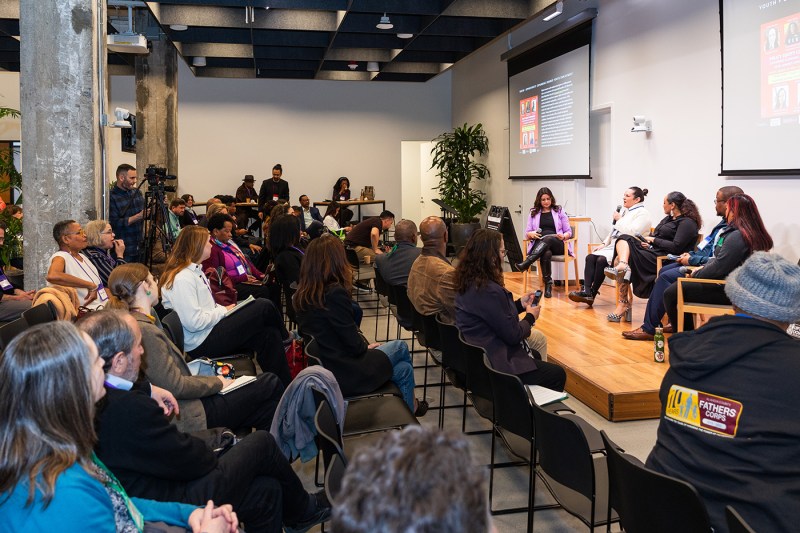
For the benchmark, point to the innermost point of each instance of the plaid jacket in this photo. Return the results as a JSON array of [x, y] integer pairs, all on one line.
[[131, 234]]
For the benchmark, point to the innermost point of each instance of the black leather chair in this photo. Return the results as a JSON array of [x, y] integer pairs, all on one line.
[[11, 330], [40, 314], [651, 502], [242, 364]]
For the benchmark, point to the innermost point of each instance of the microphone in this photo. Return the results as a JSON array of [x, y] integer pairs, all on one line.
[[614, 222]]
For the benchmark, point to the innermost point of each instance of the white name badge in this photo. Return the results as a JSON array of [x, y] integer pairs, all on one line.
[[4, 283], [274, 197], [240, 269], [101, 293]]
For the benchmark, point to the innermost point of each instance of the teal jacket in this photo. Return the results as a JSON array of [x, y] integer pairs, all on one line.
[[80, 503]]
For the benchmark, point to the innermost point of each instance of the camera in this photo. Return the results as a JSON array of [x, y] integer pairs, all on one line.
[[156, 176]]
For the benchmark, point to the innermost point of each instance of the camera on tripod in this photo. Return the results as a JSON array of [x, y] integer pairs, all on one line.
[[156, 176]]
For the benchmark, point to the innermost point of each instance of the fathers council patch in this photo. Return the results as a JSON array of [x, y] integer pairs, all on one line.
[[702, 411]]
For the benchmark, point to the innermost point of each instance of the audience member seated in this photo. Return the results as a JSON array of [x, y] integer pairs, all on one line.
[[50, 378], [325, 311], [12, 216], [331, 219], [636, 261], [417, 479], [341, 190], [215, 208], [365, 237], [104, 251], [152, 459], [727, 420], [548, 226], [629, 219], [70, 268], [189, 218], [247, 191], [132, 288], [395, 265], [207, 328], [177, 208], [742, 234], [431, 281], [273, 190], [13, 301], [284, 242], [310, 219], [488, 316], [226, 254], [751, 236]]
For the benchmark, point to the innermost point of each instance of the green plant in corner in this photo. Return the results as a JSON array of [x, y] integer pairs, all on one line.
[[13, 242], [454, 159], [7, 167]]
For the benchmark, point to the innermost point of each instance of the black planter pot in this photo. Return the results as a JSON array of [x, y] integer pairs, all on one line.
[[460, 233]]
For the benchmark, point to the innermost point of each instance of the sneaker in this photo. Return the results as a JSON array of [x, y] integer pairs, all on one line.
[[320, 514]]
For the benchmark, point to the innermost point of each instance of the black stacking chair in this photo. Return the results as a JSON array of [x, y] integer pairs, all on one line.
[[455, 368], [736, 524], [41, 314], [383, 289], [331, 446], [650, 502], [242, 364], [576, 477], [479, 388], [11, 330]]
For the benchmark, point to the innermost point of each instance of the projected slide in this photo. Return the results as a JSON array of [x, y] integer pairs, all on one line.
[[761, 86], [549, 118]]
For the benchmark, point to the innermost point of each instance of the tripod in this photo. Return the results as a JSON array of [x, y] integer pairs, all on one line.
[[155, 223]]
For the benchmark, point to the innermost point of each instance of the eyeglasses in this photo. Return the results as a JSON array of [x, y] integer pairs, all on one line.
[[79, 232], [503, 252], [109, 232]]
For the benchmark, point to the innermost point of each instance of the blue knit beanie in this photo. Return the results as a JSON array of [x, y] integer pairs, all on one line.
[[766, 286]]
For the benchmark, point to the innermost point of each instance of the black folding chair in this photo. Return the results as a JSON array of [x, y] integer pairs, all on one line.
[[736, 524], [40, 314], [331, 446], [640, 495], [11, 330]]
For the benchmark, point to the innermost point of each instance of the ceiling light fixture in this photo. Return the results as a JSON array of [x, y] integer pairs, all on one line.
[[372, 66], [352, 65], [199, 61], [405, 35], [553, 11], [385, 23], [178, 27]]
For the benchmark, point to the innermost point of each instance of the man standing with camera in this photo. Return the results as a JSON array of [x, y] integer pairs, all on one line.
[[126, 211]]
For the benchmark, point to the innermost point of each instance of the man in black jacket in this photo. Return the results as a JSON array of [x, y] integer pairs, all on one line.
[[728, 422], [152, 459], [273, 190]]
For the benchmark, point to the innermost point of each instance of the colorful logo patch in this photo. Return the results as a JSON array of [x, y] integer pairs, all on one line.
[[703, 411]]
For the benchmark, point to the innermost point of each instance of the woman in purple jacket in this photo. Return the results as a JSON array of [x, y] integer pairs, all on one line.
[[548, 227]]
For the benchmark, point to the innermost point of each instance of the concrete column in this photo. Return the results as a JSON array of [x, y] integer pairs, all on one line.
[[156, 104], [60, 122]]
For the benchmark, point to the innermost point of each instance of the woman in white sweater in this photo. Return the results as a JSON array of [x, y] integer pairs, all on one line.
[[630, 220], [208, 330]]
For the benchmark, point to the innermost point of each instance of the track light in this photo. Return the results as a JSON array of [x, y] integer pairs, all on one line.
[[553, 11], [385, 23], [372, 66], [199, 61]]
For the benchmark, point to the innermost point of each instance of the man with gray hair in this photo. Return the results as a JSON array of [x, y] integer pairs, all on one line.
[[153, 460], [415, 480], [395, 265], [728, 421]]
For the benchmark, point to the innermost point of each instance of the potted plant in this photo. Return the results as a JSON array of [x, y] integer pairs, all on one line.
[[454, 159], [12, 247]]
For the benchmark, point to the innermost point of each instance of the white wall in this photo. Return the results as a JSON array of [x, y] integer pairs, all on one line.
[[318, 131], [653, 58]]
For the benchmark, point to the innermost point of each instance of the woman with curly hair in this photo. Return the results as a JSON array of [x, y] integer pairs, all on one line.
[[488, 316], [635, 260]]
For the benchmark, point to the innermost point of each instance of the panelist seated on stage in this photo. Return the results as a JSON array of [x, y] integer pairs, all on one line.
[[487, 315], [728, 419], [365, 236], [395, 265]]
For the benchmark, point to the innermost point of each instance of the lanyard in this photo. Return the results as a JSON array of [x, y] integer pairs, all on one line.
[[299, 250], [91, 278], [236, 254], [203, 277]]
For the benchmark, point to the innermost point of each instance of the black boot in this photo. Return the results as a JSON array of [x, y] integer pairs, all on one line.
[[583, 296], [537, 252], [548, 288]]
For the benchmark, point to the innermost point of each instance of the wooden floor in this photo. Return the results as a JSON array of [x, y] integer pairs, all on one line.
[[614, 376]]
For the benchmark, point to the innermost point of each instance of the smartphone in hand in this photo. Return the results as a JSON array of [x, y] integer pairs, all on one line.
[[673, 257], [640, 237], [536, 297]]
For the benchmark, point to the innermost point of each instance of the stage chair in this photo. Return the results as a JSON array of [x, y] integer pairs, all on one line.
[[661, 258], [697, 307], [650, 502], [563, 258]]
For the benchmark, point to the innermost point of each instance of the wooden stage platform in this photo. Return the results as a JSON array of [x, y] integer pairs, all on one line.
[[614, 376]]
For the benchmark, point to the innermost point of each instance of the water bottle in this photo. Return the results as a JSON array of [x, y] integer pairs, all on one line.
[[658, 345]]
